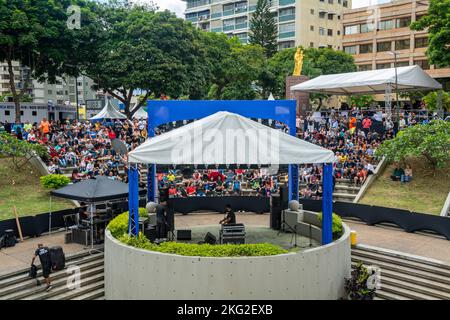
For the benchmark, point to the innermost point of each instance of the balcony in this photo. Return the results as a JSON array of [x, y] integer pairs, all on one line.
[[192, 19], [219, 29], [228, 28], [284, 35], [288, 17], [216, 15], [228, 13], [241, 26], [285, 2]]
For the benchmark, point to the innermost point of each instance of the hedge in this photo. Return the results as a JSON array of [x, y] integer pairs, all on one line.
[[119, 230]]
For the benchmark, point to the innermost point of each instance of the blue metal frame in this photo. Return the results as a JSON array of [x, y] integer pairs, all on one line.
[[327, 204], [166, 111], [133, 200]]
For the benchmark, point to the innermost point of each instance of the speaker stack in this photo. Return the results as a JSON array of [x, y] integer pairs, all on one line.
[[210, 238], [275, 212]]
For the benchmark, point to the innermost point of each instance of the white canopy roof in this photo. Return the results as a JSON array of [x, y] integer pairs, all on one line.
[[228, 138], [109, 112], [370, 82], [140, 114]]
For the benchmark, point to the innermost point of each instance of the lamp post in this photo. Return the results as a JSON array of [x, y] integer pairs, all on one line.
[[397, 113]]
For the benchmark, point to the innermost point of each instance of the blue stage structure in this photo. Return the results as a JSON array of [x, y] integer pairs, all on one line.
[[165, 111]]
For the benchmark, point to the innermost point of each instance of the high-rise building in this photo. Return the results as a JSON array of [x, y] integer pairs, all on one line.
[[374, 34], [310, 23]]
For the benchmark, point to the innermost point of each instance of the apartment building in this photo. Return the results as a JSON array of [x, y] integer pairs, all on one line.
[[373, 34], [310, 23]]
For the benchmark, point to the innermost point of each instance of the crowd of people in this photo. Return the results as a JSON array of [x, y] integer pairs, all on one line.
[[85, 147]]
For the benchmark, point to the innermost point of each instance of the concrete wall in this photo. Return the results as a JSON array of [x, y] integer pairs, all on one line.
[[316, 273]]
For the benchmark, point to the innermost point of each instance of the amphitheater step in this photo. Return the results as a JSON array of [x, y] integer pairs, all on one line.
[[85, 292], [18, 285], [98, 294], [405, 276]]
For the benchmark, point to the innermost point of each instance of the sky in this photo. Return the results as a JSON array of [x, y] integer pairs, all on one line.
[[178, 6]]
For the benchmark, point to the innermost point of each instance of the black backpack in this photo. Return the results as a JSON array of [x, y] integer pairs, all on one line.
[[33, 272]]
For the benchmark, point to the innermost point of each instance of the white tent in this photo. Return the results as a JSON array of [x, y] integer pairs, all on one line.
[[140, 114], [370, 82], [228, 138], [109, 112]]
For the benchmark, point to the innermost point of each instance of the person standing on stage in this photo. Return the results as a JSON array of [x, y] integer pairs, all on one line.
[[161, 220]]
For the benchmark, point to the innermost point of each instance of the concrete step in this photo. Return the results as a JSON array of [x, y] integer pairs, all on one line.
[[24, 293], [386, 295], [404, 270], [406, 293], [442, 287], [85, 292], [23, 280], [86, 281], [25, 270], [347, 189], [98, 294], [402, 255], [399, 261], [422, 289]]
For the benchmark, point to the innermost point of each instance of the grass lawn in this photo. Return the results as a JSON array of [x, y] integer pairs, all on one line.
[[21, 188], [426, 193]]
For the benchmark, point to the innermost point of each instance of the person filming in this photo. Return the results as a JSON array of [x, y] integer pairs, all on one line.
[[230, 217]]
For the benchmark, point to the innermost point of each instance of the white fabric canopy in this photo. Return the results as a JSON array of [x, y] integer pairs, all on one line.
[[140, 114], [109, 112], [228, 138], [370, 82]]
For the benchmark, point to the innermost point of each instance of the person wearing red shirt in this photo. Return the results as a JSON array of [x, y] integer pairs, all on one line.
[[191, 190]]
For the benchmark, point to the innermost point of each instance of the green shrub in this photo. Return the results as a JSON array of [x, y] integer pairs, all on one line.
[[336, 226], [54, 181], [203, 250], [119, 225]]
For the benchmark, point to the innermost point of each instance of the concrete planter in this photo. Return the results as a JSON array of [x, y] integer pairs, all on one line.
[[316, 273]]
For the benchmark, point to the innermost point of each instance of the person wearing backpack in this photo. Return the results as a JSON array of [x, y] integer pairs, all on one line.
[[46, 262]]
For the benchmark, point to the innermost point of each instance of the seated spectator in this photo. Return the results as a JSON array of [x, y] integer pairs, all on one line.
[[53, 168], [407, 176], [397, 173]]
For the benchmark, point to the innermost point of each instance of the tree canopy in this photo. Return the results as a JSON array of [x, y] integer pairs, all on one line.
[[35, 33], [263, 28], [437, 23], [430, 141]]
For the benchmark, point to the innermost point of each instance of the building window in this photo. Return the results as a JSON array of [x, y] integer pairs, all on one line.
[[330, 32], [366, 48], [345, 3], [229, 22], [422, 63], [386, 25], [367, 27], [421, 42], [286, 45], [288, 27], [311, 44], [321, 31], [330, 16], [339, 32], [228, 7], [330, 1], [34, 113], [7, 112], [286, 12], [350, 49], [311, 28], [402, 44], [403, 22], [49, 91], [312, 11], [351, 29], [402, 63], [241, 20], [419, 16], [364, 67], [384, 46], [322, 15], [21, 113], [383, 66]]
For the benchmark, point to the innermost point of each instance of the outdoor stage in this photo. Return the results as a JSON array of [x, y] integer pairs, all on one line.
[[256, 227]]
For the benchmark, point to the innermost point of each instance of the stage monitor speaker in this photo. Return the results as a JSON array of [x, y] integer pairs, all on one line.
[[150, 233], [210, 238], [275, 218], [284, 195], [184, 235]]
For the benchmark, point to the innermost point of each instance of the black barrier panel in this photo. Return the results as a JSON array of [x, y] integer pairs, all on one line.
[[407, 220], [8, 224], [253, 204]]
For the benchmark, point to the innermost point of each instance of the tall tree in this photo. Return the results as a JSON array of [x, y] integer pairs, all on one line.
[[437, 21], [36, 34], [138, 48], [263, 28]]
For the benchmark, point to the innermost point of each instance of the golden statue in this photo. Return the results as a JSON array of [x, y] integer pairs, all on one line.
[[298, 62]]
